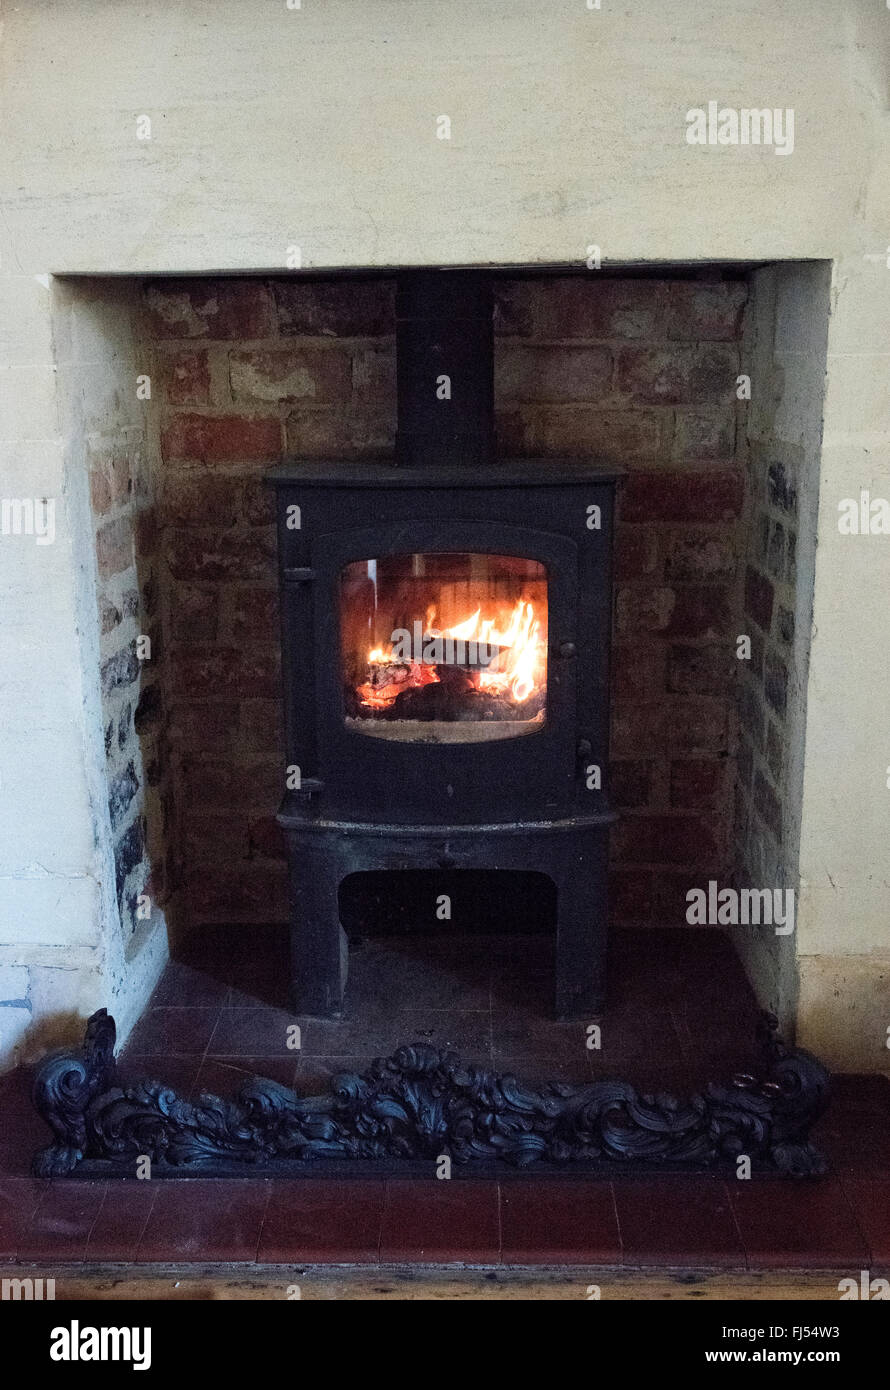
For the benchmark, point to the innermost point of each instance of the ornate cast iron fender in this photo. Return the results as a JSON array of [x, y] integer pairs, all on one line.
[[421, 1103]]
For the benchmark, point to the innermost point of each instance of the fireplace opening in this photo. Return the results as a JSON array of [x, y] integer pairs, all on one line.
[[713, 539], [440, 904], [444, 648]]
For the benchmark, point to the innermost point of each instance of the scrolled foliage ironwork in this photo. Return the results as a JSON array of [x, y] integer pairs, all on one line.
[[421, 1103]]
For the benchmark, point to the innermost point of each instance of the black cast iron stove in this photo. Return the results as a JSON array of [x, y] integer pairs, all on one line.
[[445, 624]]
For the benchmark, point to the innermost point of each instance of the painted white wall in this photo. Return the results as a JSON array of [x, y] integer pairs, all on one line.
[[317, 127]]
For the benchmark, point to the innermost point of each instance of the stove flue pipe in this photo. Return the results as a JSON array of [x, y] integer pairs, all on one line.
[[445, 368]]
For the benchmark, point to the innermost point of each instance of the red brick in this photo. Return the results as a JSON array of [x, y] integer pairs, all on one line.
[[619, 436], [186, 378], [201, 498], [209, 308], [346, 308], [678, 375], [702, 612], [254, 892], [215, 555], [260, 728], [636, 552], [579, 306], [216, 839], [552, 373], [194, 614], [664, 840], [145, 532], [225, 672], [322, 374], [697, 670], [758, 598], [696, 311], [670, 902], [641, 729], [266, 838], [696, 784], [629, 783], [226, 787], [702, 497], [638, 671], [690, 611], [702, 436], [109, 615], [253, 616], [114, 547], [221, 439], [110, 482], [207, 725], [643, 608], [374, 375], [325, 432], [700, 555], [259, 503], [630, 895]]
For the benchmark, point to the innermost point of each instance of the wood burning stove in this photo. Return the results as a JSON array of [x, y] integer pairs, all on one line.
[[445, 624]]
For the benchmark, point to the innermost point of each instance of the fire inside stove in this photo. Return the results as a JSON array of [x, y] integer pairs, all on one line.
[[444, 648]]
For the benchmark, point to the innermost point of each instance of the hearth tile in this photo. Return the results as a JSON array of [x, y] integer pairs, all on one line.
[[517, 1033], [185, 986], [19, 1200], [523, 992], [379, 972], [319, 1220], [677, 1221], [173, 1031], [224, 1076], [431, 1220], [251, 959], [254, 1032], [61, 1225], [268, 989], [570, 1222], [788, 1224], [15, 1091], [121, 1220], [21, 1134], [634, 1034], [870, 1201], [179, 1073], [648, 1077], [468, 1034], [314, 1074], [573, 1070], [856, 1145], [367, 1035], [861, 1095], [205, 1219]]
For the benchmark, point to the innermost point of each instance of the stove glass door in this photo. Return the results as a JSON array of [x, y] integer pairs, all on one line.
[[444, 648]]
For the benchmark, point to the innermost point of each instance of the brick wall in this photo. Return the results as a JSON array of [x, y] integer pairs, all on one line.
[[638, 371], [120, 479]]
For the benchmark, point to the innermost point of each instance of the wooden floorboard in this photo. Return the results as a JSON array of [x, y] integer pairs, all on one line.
[[393, 1283]]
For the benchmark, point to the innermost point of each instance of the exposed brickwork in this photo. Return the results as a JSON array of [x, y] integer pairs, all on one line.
[[639, 372], [129, 673], [760, 831]]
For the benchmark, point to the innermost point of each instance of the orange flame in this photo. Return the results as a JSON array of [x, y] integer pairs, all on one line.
[[517, 668]]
